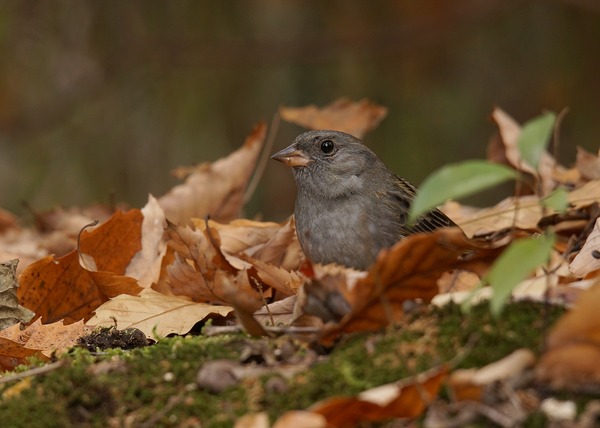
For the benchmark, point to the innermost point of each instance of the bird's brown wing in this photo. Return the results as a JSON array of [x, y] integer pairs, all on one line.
[[404, 193]]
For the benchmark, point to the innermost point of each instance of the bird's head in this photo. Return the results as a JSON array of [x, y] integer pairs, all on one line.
[[329, 162]]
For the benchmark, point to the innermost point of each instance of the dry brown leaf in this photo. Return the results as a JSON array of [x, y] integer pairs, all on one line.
[[47, 338], [405, 399], [588, 258], [356, 118], [300, 419], [273, 243], [13, 354], [523, 212], [153, 313], [22, 244], [573, 347], [281, 312], [585, 195], [253, 420], [510, 132], [111, 285], [145, 265], [244, 304], [283, 249], [7, 220], [11, 312], [408, 270], [57, 289], [182, 279], [241, 234], [285, 282], [215, 190], [469, 384], [196, 262], [69, 221], [454, 281], [588, 164]]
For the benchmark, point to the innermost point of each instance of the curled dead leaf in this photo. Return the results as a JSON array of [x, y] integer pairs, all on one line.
[[408, 271], [510, 131]]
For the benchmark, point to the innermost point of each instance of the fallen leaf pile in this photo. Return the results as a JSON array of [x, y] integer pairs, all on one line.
[[188, 257]]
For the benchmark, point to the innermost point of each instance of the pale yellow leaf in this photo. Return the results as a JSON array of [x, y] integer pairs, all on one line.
[[153, 313]]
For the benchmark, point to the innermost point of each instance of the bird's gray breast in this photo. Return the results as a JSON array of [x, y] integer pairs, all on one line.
[[348, 230]]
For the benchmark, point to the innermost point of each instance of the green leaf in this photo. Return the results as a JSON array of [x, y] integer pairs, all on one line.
[[534, 138], [557, 200], [456, 181], [513, 266]]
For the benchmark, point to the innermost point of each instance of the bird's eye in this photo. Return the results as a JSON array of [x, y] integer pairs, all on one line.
[[327, 146]]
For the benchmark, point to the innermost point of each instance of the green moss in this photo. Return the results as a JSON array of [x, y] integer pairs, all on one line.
[[521, 325], [135, 386]]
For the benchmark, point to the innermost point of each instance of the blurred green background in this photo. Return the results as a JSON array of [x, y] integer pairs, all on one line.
[[101, 98]]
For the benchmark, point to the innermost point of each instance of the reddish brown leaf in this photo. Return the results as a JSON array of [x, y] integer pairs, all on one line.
[[57, 289], [111, 285], [282, 280], [571, 360], [409, 270], [13, 354], [404, 399], [196, 262], [244, 303], [356, 118]]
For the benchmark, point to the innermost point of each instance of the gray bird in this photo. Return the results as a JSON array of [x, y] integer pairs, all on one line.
[[349, 205]]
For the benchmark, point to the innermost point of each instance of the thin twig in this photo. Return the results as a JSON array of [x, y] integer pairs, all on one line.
[[262, 163], [32, 372], [264, 300], [214, 330]]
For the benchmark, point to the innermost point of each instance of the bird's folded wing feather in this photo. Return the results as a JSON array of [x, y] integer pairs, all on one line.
[[428, 222]]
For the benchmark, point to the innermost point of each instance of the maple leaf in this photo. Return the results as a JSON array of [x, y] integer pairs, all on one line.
[[61, 288]]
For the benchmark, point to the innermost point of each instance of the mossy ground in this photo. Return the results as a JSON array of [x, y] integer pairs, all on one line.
[[131, 388]]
